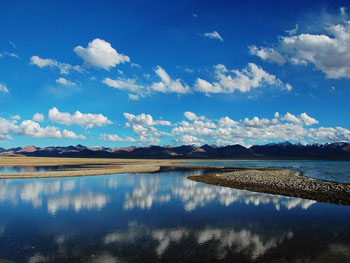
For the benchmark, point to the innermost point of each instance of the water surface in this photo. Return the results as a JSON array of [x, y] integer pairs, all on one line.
[[163, 217], [34, 169], [337, 171]]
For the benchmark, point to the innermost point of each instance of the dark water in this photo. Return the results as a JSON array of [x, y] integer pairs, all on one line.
[[337, 171], [163, 217]]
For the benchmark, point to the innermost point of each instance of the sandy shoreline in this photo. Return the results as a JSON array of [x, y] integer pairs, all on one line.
[[87, 167]]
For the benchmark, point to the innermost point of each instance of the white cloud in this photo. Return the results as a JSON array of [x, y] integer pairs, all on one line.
[[12, 44], [167, 85], [33, 129], [202, 85], [64, 81], [293, 31], [8, 54], [189, 140], [6, 126], [227, 122], [190, 115], [214, 35], [145, 119], [258, 130], [38, 117], [133, 96], [71, 135], [288, 87], [100, 54], [268, 54], [42, 62], [3, 88], [16, 117], [308, 120], [88, 120], [257, 122], [328, 51], [228, 81], [47, 62], [291, 118], [143, 126], [194, 130], [123, 84], [115, 138], [342, 10]]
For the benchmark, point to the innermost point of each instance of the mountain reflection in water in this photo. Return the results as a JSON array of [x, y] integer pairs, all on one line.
[[163, 217]]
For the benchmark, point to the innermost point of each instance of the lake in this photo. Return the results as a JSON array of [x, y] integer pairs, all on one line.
[[163, 217], [337, 171], [33, 169]]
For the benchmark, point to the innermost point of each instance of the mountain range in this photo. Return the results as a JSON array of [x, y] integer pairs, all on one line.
[[276, 151]]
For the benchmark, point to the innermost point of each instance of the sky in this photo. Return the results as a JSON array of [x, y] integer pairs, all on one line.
[[138, 73]]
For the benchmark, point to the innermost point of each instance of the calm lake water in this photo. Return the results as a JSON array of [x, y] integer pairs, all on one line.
[[163, 217], [338, 171], [31, 169]]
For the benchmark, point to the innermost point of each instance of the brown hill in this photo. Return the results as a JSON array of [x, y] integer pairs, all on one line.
[[28, 149]]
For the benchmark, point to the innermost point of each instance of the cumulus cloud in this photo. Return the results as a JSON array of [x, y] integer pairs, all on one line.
[[133, 96], [214, 35], [307, 119], [65, 82], [87, 120], [32, 128], [328, 51], [291, 118], [143, 125], [3, 88], [168, 85], [165, 85], [227, 122], [16, 117], [256, 130], [115, 138], [145, 119], [190, 115], [72, 135], [64, 68], [100, 54], [124, 84], [189, 140], [194, 129], [38, 117], [228, 81], [268, 54]]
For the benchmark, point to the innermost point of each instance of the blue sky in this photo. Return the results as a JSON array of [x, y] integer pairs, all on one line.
[[119, 73]]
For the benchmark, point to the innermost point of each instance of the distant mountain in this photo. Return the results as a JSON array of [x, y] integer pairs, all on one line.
[[275, 151], [28, 149]]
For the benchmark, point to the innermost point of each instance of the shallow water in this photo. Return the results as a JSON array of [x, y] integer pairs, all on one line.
[[163, 217], [33, 169], [337, 171]]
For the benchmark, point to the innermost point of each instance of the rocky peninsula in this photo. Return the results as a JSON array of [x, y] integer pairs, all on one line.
[[280, 182]]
